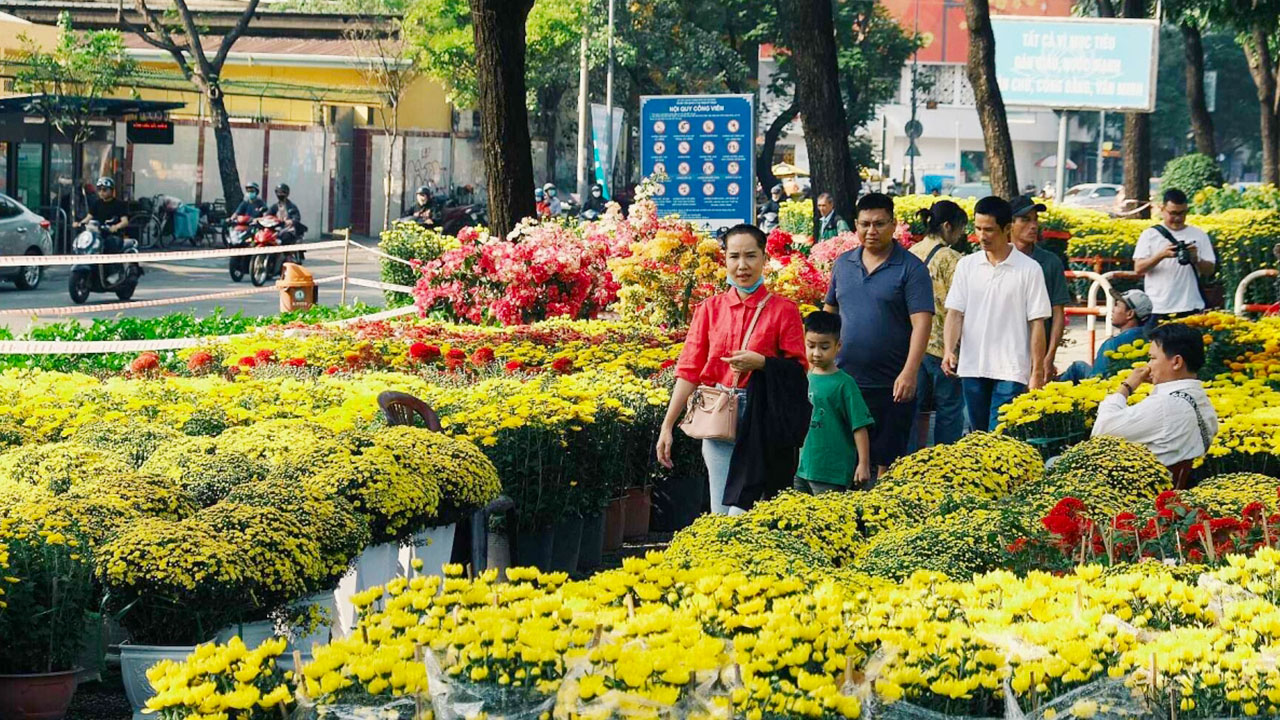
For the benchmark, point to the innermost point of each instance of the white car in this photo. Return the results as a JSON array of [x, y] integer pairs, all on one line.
[[1095, 196], [22, 232]]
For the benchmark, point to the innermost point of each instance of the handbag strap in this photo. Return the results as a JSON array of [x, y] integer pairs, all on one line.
[[933, 252], [747, 337]]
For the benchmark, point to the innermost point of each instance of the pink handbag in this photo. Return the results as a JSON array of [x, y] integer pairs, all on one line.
[[712, 412]]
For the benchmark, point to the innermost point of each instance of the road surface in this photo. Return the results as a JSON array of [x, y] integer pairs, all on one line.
[[195, 277]]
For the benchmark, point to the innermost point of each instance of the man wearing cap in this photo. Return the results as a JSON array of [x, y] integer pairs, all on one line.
[[1026, 236], [1128, 315], [422, 212]]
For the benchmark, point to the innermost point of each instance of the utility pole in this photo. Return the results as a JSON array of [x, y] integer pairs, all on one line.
[[584, 119], [607, 165], [915, 69]]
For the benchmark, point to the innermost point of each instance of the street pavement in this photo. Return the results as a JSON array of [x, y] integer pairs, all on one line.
[[196, 277]]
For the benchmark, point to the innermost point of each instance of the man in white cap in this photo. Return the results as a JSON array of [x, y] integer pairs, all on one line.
[[1128, 316]]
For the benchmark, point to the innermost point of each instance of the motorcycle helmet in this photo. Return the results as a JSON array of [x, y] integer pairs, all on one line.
[[537, 193], [253, 187], [776, 190], [282, 189], [549, 189], [424, 190], [596, 191], [105, 183]]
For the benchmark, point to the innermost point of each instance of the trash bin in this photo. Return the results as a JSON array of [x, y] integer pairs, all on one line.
[[297, 288], [186, 222]]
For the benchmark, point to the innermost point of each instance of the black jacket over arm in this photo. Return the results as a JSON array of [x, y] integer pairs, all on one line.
[[767, 450]]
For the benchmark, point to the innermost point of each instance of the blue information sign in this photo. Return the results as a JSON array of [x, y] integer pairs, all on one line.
[[1082, 64], [702, 150]]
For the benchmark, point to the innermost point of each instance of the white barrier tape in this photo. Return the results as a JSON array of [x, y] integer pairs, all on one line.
[[380, 254], [134, 304], [152, 257], [377, 285], [99, 347]]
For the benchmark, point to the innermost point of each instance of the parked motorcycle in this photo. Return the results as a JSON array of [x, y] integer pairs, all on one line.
[[456, 218], [239, 235], [118, 278], [264, 267]]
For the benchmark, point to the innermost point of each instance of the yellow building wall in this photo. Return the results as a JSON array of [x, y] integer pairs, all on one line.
[[424, 106]]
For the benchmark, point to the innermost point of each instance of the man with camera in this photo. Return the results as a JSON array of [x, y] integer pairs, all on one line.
[[1172, 257]]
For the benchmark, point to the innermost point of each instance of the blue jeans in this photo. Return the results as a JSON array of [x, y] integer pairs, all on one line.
[[717, 454], [944, 395], [985, 397], [1079, 370]]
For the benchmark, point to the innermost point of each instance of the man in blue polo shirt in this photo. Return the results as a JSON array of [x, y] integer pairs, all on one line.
[[884, 296]]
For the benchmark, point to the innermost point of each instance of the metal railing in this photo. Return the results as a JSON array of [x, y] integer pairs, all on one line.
[[1241, 307]]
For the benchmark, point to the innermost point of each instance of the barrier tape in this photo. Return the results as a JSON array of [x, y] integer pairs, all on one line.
[[153, 257], [380, 254], [99, 347], [134, 304], [376, 285]]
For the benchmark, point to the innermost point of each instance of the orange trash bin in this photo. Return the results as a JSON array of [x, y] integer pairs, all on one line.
[[297, 288]]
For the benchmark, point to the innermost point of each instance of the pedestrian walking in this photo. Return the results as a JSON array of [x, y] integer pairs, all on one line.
[[837, 450], [1026, 237], [884, 297], [831, 224], [994, 332], [736, 336], [946, 224]]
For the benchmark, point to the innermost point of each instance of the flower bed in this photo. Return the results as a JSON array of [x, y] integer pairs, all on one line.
[[1243, 360], [181, 553], [818, 607]]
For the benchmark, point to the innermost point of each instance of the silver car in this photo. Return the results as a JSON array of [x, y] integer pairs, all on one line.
[[1095, 196], [22, 232]]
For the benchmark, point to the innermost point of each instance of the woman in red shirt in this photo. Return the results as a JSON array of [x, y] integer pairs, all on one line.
[[713, 353]]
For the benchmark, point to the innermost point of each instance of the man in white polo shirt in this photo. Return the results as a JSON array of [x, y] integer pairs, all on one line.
[[1170, 274], [994, 335]]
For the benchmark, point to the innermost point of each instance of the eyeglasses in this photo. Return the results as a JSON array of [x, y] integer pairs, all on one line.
[[879, 224]]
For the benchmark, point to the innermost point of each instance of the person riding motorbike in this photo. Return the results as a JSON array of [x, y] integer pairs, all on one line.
[[290, 216], [767, 215], [422, 212], [541, 204], [252, 205], [554, 206], [595, 203], [112, 215]]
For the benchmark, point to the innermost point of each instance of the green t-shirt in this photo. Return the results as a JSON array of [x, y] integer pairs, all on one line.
[[829, 454]]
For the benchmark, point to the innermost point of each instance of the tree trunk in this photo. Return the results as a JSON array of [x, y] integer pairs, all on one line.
[[227, 170], [764, 167], [389, 178], [499, 27], [1137, 140], [810, 33], [989, 101], [1197, 104], [1137, 161], [1258, 54]]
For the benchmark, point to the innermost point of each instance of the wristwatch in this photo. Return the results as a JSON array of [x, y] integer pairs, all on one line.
[[1128, 387]]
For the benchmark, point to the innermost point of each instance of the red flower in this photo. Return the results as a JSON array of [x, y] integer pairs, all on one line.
[[1068, 507], [352, 358], [456, 354], [1166, 497], [562, 364], [146, 362], [513, 366], [265, 356], [422, 352], [333, 370], [1254, 511], [199, 360], [482, 356], [296, 362], [1017, 545], [247, 361], [1124, 522], [667, 363]]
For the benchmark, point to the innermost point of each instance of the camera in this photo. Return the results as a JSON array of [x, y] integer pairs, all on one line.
[[1182, 251]]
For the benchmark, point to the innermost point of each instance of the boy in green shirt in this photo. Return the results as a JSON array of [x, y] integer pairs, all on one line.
[[838, 447]]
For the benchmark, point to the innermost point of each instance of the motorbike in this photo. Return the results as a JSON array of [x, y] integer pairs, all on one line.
[[264, 267], [118, 278], [460, 216], [239, 235]]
